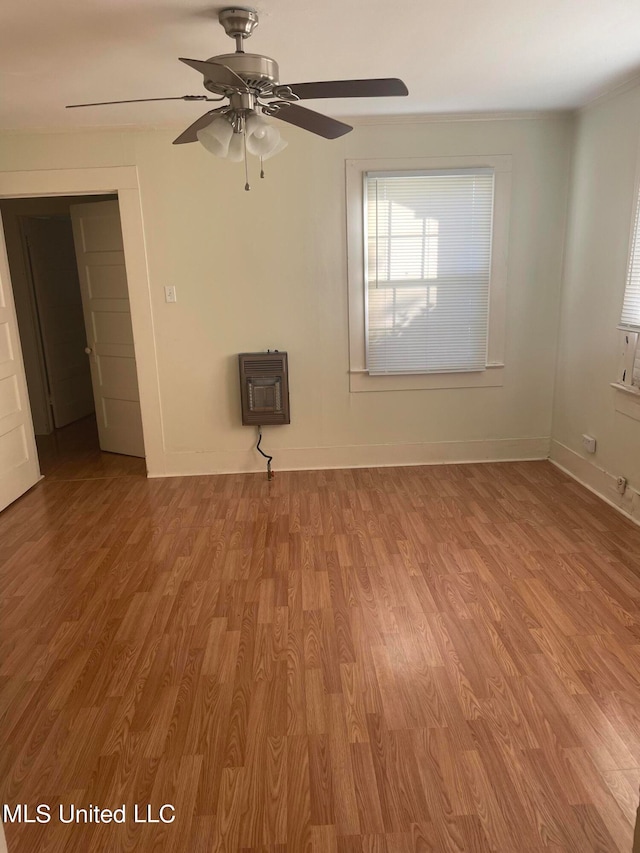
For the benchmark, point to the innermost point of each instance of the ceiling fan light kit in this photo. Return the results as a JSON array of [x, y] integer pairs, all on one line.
[[250, 84]]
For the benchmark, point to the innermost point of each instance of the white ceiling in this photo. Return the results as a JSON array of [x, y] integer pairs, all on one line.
[[454, 55]]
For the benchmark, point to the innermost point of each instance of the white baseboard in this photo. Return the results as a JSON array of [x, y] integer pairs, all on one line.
[[189, 463], [596, 479]]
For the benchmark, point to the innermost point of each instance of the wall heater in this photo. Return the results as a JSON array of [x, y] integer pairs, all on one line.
[[264, 388]]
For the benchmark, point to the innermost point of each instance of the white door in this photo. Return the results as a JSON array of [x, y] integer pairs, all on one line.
[[19, 469], [52, 262], [105, 300]]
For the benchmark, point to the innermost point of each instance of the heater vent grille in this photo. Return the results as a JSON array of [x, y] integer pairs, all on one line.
[[260, 367], [264, 388]]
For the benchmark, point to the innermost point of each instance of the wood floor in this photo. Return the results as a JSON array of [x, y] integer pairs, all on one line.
[[384, 660], [73, 453]]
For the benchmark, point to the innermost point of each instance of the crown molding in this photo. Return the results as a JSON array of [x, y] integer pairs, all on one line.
[[429, 118], [613, 92], [357, 121], [76, 129]]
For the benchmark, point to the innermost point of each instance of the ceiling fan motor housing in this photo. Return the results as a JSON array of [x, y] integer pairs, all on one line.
[[258, 72]]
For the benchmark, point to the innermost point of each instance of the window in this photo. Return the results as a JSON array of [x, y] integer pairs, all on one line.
[[428, 240], [630, 317], [427, 271]]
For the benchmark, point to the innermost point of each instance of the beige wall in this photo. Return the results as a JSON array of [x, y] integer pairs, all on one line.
[[599, 222], [267, 269]]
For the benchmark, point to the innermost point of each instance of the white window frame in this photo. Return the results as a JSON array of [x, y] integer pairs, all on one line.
[[628, 402], [629, 358], [630, 337], [492, 375]]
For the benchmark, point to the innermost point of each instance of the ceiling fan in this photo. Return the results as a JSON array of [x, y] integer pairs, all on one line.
[[249, 82]]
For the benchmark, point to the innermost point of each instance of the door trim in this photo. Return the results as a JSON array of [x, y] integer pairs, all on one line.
[[122, 180]]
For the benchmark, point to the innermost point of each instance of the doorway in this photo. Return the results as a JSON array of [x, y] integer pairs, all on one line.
[[73, 315], [19, 466]]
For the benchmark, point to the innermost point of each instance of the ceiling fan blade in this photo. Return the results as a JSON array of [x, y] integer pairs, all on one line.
[[375, 88], [191, 133], [143, 100], [323, 125], [216, 72]]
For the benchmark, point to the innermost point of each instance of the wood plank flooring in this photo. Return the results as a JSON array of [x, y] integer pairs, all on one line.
[[370, 661], [73, 453]]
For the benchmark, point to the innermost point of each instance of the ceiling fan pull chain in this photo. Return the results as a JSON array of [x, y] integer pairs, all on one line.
[[246, 165], [261, 167]]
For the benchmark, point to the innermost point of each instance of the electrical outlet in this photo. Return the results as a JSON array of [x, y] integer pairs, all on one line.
[[589, 443], [170, 294], [621, 485]]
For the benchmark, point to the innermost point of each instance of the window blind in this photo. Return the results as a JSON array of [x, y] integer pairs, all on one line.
[[630, 319], [428, 269]]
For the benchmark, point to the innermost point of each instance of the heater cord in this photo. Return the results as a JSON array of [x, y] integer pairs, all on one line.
[[266, 455]]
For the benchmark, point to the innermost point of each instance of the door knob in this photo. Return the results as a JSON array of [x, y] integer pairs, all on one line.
[[88, 350]]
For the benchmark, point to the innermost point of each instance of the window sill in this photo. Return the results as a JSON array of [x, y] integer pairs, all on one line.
[[627, 402], [361, 380]]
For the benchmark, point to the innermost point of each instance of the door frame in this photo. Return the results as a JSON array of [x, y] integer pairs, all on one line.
[[122, 180]]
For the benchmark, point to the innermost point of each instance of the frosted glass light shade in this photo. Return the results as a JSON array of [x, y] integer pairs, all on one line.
[[262, 137], [236, 148], [216, 137]]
